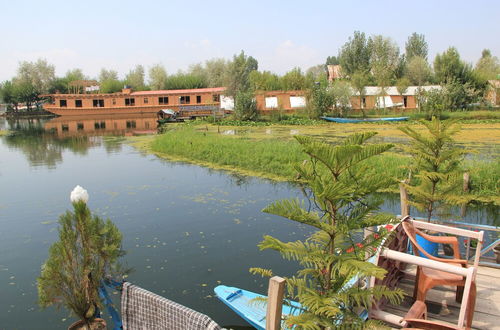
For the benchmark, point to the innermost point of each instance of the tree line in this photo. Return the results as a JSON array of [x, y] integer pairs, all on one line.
[[365, 61]]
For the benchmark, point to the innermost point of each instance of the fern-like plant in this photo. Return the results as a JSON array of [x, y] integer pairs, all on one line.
[[436, 162], [341, 202]]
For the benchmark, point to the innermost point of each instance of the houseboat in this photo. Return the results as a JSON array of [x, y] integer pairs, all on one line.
[[189, 102]]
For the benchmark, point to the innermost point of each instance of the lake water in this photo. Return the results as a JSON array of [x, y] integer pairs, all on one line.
[[186, 228]]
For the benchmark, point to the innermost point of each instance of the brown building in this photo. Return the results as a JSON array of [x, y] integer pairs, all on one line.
[[287, 101], [375, 98], [130, 102]]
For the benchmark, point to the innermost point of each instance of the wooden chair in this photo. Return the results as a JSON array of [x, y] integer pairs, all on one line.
[[428, 278]]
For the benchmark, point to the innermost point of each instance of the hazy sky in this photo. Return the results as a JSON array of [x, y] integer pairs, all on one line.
[[118, 35]]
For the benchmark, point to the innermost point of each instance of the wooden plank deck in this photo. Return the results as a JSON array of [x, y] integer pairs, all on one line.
[[441, 303]]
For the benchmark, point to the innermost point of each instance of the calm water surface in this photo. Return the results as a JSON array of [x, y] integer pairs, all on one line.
[[186, 228]]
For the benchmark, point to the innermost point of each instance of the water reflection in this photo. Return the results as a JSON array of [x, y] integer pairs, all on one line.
[[69, 126], [43, 141]]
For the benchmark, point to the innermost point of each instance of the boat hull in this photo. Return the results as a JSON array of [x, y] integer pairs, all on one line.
[[240, 301], [368, 120]]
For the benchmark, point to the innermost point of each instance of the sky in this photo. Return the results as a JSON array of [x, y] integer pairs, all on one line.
[[281, 35]]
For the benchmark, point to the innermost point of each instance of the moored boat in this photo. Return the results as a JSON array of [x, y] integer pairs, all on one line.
[[353, 120]]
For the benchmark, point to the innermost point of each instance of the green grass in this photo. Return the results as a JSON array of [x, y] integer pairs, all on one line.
[[268, 158], [3, 132], [275, 157]]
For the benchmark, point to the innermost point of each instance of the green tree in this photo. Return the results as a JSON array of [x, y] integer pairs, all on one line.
[[436, 166], [416, 46], [320, 99], [488, 66], [9, 95], [39, 74], [88, 249], [135, 78], [75, 74], [402, 85], [238, 73], [294, 80], [182, 80], [341, 202], [157, 77], [332, 60], [265, 81], [107, 75], [342, 93], [355, 54], [216, 72], [108, 81], [449, 67], [384, 61], [359, 81], [314, 73], [245, 107], [418, 70]]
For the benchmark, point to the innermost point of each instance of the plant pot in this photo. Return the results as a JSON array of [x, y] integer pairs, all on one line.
[[429, 247], [497, 253], [448, 250], [96, 324]]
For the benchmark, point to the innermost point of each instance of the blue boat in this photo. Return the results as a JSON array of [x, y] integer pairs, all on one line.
[[240, 301], [367, 120]]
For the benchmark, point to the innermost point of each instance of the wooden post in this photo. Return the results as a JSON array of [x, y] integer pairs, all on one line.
[[466, 188], [403, 194], [275, 302], [466, 182]]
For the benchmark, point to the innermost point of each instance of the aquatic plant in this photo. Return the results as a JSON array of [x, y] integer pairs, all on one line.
[[342, 201], [88, 249]]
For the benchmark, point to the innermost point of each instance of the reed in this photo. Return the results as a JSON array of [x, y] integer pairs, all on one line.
[[275, 158]]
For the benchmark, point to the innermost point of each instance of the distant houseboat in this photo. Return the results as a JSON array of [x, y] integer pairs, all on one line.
[[199, 102]]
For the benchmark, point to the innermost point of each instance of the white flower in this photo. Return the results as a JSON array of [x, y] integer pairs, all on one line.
[[79, 194]]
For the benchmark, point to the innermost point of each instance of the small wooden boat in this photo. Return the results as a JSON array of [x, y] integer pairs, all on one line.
[[240, 301], [167, 116], [367, 120]]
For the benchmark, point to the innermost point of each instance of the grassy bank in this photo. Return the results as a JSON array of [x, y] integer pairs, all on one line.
[[3, 132], [275, 157]]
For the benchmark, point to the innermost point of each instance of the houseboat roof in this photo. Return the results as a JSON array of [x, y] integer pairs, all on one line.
[[180, 91]]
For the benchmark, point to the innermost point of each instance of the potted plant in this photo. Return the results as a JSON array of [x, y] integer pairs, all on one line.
[[87, 250], [436, 163]]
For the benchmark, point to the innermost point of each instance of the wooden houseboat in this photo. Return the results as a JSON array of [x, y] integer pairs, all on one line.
[[190, 102]]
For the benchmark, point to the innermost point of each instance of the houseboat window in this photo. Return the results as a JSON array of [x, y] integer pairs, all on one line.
[[216, 97], [65, 127], [130, 102], [146, 124], [198, 98], [100, 125], [63, 103], [363, 103], [78, 103], [113, 101], [146, 100], [163, 100], [185, 99], [98, 103], [131, 124], [79, 126], [405, 101]]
